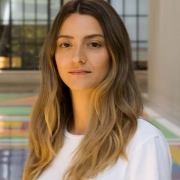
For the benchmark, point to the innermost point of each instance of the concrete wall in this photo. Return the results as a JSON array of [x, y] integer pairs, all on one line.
[[164, 57], [29, 81], [19, 81]]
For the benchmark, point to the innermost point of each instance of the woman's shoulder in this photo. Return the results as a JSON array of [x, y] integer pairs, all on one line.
[[149, 153], [145, 132]]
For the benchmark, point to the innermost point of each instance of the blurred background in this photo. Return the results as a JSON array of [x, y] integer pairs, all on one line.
[[153, 27]]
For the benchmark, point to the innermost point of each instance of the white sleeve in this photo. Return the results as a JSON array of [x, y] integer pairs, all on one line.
[[152, 161]]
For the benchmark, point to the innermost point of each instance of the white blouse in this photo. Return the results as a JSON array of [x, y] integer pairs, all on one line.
[[148, 153]]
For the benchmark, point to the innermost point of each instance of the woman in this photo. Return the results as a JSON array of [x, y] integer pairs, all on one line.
[[86, 123]]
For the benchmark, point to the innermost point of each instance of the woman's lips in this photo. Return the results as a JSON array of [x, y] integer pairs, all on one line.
[[79, 73]]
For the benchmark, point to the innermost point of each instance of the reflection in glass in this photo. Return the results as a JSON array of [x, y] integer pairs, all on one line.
[[55, 7], [42, 9], [17, 22], [29, 29], [16, 47], [130, 23], [4, 45], [30, 59], [16, 62], [143, 51], [117, 5], [29, 9], [29, 33], [134, 51], [143, 28], [17, 9], [4, 12], [41, 31], [16, 55], [4, 62], [16, 31], [30, 49], [143, 6], [130, 7], [143, 55]]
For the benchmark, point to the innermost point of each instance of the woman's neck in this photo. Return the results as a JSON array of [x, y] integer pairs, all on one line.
[[80, 105]]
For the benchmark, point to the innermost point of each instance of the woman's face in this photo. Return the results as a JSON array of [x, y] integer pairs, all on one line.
[[81, 54]]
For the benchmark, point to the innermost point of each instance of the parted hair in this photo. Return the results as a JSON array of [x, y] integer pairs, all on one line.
[[115, 105]]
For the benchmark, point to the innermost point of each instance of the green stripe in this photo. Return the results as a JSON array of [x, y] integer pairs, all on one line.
[[14, 96], [173, 161], [167, 133], [16, 111]]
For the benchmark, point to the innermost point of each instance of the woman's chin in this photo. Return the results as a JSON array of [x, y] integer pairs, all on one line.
[[80, 88]]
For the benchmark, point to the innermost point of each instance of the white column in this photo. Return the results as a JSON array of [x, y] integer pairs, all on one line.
[[164, 57]]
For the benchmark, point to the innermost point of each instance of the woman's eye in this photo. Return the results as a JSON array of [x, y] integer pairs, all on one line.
[[96, 45], [64, 44]]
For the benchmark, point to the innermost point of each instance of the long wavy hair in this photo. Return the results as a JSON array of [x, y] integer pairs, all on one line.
[[116, 104]]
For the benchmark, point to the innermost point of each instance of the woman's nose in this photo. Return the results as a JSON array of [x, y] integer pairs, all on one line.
[[79, 55]]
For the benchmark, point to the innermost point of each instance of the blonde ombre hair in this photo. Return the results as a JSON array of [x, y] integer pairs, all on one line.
[[116, 104]]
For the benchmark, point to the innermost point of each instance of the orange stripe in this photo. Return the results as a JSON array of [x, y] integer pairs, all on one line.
[[14, 147], [10, 131], [4, 134], [175, 153]]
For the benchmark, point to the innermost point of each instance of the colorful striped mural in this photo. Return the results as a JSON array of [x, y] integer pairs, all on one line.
[[14, 122]]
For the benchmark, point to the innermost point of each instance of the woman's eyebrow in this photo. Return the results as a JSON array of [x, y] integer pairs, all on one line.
[[86, 37]]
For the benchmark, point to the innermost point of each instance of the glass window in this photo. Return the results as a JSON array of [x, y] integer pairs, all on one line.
[[29, 9], [17, 22], [143, 55], [29, 57], [42, 22], [41, 32], [29, 29], [130, 23], [134, 51], [42, 9], [4, 43], [16, 60], [29, 32], [143, 28], [16, 31], [4, 12], [16, 48], [55, 7], [117, 5], [143, 44], [17, 9], [51, 22], [130, 7], [30, 49], [143, 6], [143, 52]]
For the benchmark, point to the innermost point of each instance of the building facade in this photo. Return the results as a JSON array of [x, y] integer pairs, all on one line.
[[24, 25]]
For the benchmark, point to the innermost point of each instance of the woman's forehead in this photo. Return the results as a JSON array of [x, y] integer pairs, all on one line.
[[81, 25]]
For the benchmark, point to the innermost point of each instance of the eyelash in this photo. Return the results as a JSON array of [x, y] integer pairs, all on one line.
[[90, 43]]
